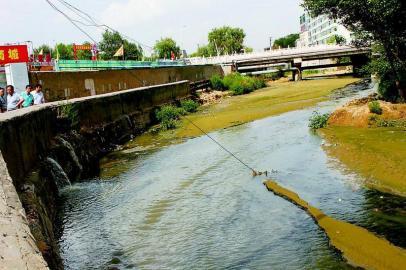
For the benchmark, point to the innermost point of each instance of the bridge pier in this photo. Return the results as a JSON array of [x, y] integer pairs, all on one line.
[[297, 73]]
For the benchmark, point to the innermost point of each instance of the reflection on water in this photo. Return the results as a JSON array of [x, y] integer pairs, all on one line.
[[190, 206]]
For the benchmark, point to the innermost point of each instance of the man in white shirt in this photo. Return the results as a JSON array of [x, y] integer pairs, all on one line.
[[38, 95], [13, 99]]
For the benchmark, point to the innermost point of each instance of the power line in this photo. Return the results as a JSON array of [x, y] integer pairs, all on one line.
[[67, 17], [219, 144], [79, 12], [90, 21]]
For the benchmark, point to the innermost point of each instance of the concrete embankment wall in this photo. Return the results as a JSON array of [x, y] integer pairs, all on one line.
[[75, 134], [18, 249], [74, 84], [25, 134]]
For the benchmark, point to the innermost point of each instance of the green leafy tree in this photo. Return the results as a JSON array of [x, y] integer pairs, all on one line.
[[45, 49], [248, 49], [285, 42], [227, 40], [374, 22], [165, 46], [112, 41], [336, 39], [85, 55], [64, 51], [204, 51]]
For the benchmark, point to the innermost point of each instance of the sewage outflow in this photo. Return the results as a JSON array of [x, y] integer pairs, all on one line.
[[192, 206]]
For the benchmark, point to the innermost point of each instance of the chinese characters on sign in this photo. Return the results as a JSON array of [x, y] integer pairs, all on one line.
[[13, 54], [86, 47]]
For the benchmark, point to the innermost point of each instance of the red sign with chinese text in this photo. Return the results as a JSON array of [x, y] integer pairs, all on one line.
[[13, 54], [86, 47]]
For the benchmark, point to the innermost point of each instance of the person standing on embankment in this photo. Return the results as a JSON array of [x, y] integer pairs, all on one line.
[[38, 95], [3, 101]]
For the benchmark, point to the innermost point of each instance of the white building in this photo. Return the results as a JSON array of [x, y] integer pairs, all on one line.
[[318, 30]]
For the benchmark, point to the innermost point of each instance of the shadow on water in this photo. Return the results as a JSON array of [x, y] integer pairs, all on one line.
[[190, 206], [385, 214]]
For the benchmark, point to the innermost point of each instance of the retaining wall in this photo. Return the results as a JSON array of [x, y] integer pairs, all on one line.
[[74, 84]]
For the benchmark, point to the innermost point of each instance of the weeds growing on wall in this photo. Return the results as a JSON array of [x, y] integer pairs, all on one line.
[[318, 120], [237, 84], [70, 111]]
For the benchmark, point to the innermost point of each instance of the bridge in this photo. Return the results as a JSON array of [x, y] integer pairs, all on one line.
[[295, 59]]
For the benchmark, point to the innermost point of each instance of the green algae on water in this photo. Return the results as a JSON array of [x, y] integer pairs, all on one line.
[[357, 245]]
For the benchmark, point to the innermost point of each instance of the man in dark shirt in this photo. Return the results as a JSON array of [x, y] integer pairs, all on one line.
[[3, 101]]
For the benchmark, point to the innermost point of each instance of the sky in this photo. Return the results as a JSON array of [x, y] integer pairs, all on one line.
[[186, 21]]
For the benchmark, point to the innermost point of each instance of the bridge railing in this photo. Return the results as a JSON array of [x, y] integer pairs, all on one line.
[[227, 59]]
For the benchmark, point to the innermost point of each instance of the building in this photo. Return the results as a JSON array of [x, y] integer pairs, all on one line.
[[318, 30]]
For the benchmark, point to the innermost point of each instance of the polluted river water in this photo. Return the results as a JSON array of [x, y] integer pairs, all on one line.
[[191, 206]]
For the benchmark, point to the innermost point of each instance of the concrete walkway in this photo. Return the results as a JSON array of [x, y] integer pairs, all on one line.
[[17, 245]]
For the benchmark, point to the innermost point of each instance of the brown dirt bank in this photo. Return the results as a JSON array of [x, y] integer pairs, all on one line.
[[357, 245], [356, 113]]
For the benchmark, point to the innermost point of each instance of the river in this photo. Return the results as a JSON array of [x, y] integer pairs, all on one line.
[[191, 206]]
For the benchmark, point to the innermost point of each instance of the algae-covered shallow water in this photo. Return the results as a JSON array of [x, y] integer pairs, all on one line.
[[191, 206]]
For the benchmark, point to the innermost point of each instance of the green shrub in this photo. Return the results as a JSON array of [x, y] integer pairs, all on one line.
[[230, 79], [217, 83], [168, 115], [189, 105], [240, 85], [373, 119], [318, 120], [375, 107], [391, 123], [237, 88], [259, 83]]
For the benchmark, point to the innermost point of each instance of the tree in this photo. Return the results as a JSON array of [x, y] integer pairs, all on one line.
[[165, 47], [84, 55], [226, 40], [287, 41], [248, 49], [204, 51], [64, 51], [45, 49], [112, 41], [380, 22], [336, 39]]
